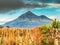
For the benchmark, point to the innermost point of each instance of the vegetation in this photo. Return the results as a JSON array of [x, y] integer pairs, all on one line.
[[46, 30], [17, 36], [7, 26], [1, 26], [55, 24], [22, 36]]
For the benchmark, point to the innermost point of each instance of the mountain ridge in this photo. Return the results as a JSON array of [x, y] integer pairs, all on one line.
[[28, 19]]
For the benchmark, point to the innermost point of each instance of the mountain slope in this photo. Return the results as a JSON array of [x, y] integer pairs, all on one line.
[[29, 20]]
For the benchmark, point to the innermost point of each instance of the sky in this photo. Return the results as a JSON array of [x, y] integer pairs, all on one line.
[[12, 9]]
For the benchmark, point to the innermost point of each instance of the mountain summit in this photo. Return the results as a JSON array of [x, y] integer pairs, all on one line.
[[29, 20], [44, 17], [28, 14]]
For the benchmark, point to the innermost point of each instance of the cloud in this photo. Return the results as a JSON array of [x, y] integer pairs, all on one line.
[[54, 6], [55, 17], [4, 20], [11, 3], [7, 5], [44, 1], [48, 1], [57, 1]]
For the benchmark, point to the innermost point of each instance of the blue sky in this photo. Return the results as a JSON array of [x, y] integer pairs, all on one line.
[[13, 14]]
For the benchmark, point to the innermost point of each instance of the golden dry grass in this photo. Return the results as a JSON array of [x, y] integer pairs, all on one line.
[[20, 36]]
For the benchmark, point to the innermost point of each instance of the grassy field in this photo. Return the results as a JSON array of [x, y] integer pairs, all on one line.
[[21, 36]]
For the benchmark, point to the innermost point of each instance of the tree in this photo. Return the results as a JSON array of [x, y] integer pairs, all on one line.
[[7, 26], [1, 26], [55, 24]]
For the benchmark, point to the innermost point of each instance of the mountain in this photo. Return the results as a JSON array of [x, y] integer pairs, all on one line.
[[44, 17], [31, 17], [28, 16], [29, 20]]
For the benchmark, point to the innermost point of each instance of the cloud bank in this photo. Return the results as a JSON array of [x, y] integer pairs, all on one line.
[[7, 5]]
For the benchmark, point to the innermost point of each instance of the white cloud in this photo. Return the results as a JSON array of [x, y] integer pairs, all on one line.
[[54, 6], [55, 17], [4, 20]]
